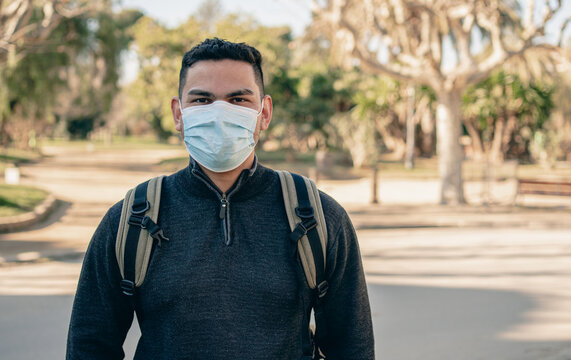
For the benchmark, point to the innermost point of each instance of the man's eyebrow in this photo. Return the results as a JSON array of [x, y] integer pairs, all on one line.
[[240, 92], [200, 93]]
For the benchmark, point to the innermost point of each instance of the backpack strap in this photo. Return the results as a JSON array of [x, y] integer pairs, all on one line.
[[307, 223], [133, 246]]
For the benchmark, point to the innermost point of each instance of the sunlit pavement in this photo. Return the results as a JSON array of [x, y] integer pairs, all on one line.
[[470, 293], [461, 285]]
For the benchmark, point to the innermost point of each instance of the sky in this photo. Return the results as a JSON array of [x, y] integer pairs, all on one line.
[[295, 13]]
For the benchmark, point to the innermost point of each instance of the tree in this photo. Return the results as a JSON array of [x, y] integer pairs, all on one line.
[[92, 79], [502, 114], [26, 25], [415, 40], [44, 45], [159, 51], [28, 59]]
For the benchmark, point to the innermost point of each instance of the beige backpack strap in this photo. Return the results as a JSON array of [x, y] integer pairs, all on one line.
[[137, 231], [290, 195]]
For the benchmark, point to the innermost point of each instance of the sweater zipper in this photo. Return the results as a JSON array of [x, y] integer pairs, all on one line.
[[223, 215]]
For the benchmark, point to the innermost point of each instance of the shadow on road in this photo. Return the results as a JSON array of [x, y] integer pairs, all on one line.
[[410, 322], [432, 323]]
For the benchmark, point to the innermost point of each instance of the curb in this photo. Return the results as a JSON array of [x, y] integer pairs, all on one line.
[[13, 223]]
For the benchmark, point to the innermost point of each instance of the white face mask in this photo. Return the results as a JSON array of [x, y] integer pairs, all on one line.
[[219, 136]]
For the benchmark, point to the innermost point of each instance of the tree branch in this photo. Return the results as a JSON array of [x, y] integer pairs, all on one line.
[[528, 19], [463, 41]]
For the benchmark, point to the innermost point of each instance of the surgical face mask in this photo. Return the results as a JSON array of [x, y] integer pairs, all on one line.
[[219, 136]]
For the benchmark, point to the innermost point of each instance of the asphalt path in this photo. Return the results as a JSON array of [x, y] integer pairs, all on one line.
[[437, 293]]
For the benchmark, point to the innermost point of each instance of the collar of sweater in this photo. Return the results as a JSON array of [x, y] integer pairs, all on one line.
[[250, 182]]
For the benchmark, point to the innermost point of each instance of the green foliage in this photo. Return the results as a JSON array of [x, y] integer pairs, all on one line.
[[93, 81], [68, 78], [504, 97], [32, 84]]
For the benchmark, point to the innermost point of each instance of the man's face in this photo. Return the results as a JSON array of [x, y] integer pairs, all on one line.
[[227, 80]]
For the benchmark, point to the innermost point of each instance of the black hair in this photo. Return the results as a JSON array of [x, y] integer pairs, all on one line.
[[218, 49]]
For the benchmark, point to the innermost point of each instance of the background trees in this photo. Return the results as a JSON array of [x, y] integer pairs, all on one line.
[[344, 85], [59, 66], [502, 114], [415, 40]]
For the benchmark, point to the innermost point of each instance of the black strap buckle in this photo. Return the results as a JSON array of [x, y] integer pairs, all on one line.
[[138, 220], [128, 287], [302, 228]]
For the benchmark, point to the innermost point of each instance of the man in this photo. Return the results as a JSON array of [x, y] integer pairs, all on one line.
[[227, 285]]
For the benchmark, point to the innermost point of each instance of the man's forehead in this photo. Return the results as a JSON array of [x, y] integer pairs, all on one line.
[[225, 72]]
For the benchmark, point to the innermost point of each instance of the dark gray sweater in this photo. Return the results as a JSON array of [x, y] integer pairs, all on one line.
[[227, 288]]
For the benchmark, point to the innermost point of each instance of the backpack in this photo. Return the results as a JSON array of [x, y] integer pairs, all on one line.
[[305, 216]]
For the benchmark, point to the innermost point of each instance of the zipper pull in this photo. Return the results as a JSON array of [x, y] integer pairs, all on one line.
[[222, 213]]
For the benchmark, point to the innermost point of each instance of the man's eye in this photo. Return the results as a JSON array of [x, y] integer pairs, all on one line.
[[238, 100], [200, 101]]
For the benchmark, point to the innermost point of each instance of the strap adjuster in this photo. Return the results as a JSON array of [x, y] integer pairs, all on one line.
[[127, 287], [138, 220], [302, 228]]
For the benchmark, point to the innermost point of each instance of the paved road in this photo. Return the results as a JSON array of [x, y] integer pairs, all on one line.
[[438, 293], [500, 294]]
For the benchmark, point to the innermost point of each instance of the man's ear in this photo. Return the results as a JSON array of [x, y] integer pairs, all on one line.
[[176, 114], [266, 112]]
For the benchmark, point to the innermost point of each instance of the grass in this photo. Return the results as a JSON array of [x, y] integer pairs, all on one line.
[[17, 157], [14, 157], [17, 199]]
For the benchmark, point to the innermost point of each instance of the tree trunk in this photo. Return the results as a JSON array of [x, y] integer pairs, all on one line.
[[409, 156], [427, 128], [448, 147], [496, 154], [477, 147], [511, 127]]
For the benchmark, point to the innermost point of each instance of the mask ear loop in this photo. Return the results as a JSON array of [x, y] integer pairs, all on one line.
[[262, 109]]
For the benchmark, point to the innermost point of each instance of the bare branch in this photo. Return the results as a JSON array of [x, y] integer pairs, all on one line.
[[533, 30], [436, 48], [463, 41], [562, 31], [415, 75], [424, 46], [486, 68], [18, 15], [18, 30], [78, 11], [528, 20]]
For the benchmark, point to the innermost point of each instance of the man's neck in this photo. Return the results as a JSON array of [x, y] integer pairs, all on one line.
[[225, 180]]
